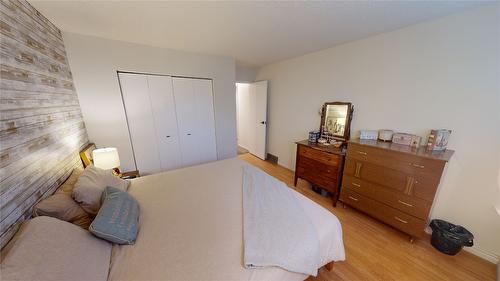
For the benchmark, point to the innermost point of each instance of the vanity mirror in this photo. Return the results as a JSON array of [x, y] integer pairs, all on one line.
[[336, 120]]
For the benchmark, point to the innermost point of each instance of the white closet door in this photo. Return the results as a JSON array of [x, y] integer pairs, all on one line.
[[163, 107], [186, 120], [140, 122], [204, 109]]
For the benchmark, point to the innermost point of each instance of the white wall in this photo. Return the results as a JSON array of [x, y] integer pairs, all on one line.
[[94, 63], [439, 74], [245, 74]]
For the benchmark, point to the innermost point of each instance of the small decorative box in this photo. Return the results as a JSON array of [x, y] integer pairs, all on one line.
[[438, 140], [314, 136], [368, 135], [402, 138], [385, 135]]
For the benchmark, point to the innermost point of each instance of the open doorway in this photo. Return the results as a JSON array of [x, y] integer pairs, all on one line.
[[251, 118]]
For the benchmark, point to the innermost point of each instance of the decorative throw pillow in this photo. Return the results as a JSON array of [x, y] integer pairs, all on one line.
[[118, 218], [90, 185], [46, 248], [63, 207]]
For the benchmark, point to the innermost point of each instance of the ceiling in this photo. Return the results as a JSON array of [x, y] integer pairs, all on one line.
[[253, 33]]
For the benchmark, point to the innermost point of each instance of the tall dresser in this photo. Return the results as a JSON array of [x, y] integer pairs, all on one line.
[[320, 165], [393, 183]]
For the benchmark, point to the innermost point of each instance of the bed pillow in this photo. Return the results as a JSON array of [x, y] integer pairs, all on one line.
[[69, 184], [90, 185], [118, 218], [62, 206], [46, 248]]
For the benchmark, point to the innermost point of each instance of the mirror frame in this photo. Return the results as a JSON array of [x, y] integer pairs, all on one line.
[[347, 130]]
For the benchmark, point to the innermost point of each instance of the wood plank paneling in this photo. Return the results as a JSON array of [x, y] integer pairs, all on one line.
[[41, 125]]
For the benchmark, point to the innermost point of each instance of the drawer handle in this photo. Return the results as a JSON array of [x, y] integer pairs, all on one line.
[[362, 152], [400, 220], [352, 198], [404, 203], [417, 165], [356, 184]]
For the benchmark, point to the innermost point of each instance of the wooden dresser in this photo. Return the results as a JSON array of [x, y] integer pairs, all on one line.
[[393, 183], [320, 165]]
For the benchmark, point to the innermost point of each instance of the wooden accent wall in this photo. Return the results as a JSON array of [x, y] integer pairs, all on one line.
[[41, 125]]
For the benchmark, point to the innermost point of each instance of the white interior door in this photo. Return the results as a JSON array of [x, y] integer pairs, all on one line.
[[258, 91], [186, 117], [252, 117], [140, 122], [195, 115], [205, 123], [163, 106]]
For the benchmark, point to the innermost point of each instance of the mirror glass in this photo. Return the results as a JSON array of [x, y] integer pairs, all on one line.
[[335, 118]]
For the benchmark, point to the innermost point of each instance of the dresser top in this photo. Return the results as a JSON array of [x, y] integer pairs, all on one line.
[[318, 146], [421, 151]]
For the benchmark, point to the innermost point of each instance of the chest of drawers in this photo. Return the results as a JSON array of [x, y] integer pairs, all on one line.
[[393, 183], [320, 165]]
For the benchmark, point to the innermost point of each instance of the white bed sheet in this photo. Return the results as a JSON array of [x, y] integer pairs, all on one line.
[[191, 228]]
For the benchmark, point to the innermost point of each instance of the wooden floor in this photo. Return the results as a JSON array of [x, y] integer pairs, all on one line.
[[375, 251]]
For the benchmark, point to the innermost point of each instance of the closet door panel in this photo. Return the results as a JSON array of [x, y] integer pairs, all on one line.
[[186, 120], [165, 121], [140, 122], [205, 125]]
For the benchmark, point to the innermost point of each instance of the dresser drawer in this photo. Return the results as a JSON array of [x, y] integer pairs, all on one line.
[[312, 175], [395, 180], [404, 222], [321, 156], [357, 185], [408, 204], [318, 167], [387, 214], [356, 200], [396, 160]]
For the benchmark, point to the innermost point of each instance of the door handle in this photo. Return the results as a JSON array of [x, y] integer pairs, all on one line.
[[189, 134], [168, 136], [357, 171], [400, 220], [263, 122], [404, 203]]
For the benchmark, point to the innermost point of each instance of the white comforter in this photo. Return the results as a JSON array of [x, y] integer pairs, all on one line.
[[276, 231], [191, 228]]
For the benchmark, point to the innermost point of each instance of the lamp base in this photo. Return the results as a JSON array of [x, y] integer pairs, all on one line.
[[116, 172]]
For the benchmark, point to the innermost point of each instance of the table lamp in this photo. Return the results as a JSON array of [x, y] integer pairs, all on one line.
[[107, 159]]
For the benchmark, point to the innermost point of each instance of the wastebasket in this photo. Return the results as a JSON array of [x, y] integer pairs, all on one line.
[[449, 238]]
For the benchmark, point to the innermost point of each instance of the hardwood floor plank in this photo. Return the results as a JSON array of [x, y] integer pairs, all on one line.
[[376, 251]]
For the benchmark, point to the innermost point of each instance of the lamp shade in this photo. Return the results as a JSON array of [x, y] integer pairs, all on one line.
[[106, 158]]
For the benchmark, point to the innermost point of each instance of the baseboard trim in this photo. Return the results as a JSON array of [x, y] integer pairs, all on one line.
[[491, 257]]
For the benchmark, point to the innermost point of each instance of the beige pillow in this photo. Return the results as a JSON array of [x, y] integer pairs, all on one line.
[[46, 248], [63, 207], [69, 184], [90, 185]]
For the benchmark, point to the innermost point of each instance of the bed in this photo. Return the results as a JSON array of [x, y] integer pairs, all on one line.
[[191, 228], [193, 225]]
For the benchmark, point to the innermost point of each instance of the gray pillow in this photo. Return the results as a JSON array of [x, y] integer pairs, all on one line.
[[118, 218], [90, 185], [62, 206], [46, 248]]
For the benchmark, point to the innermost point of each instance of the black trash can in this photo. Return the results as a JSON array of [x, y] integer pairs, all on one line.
[[449, 238]]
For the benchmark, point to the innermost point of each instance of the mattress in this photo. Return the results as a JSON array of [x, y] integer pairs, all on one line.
[[191, 228]]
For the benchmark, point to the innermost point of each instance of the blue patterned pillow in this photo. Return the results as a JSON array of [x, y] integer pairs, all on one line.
[[118, 217]]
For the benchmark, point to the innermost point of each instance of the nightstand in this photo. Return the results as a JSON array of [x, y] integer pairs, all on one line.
[[130, 175]]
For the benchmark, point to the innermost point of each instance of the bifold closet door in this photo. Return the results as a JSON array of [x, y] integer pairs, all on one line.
[[135, 93], [195, 119], [165, 121]]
